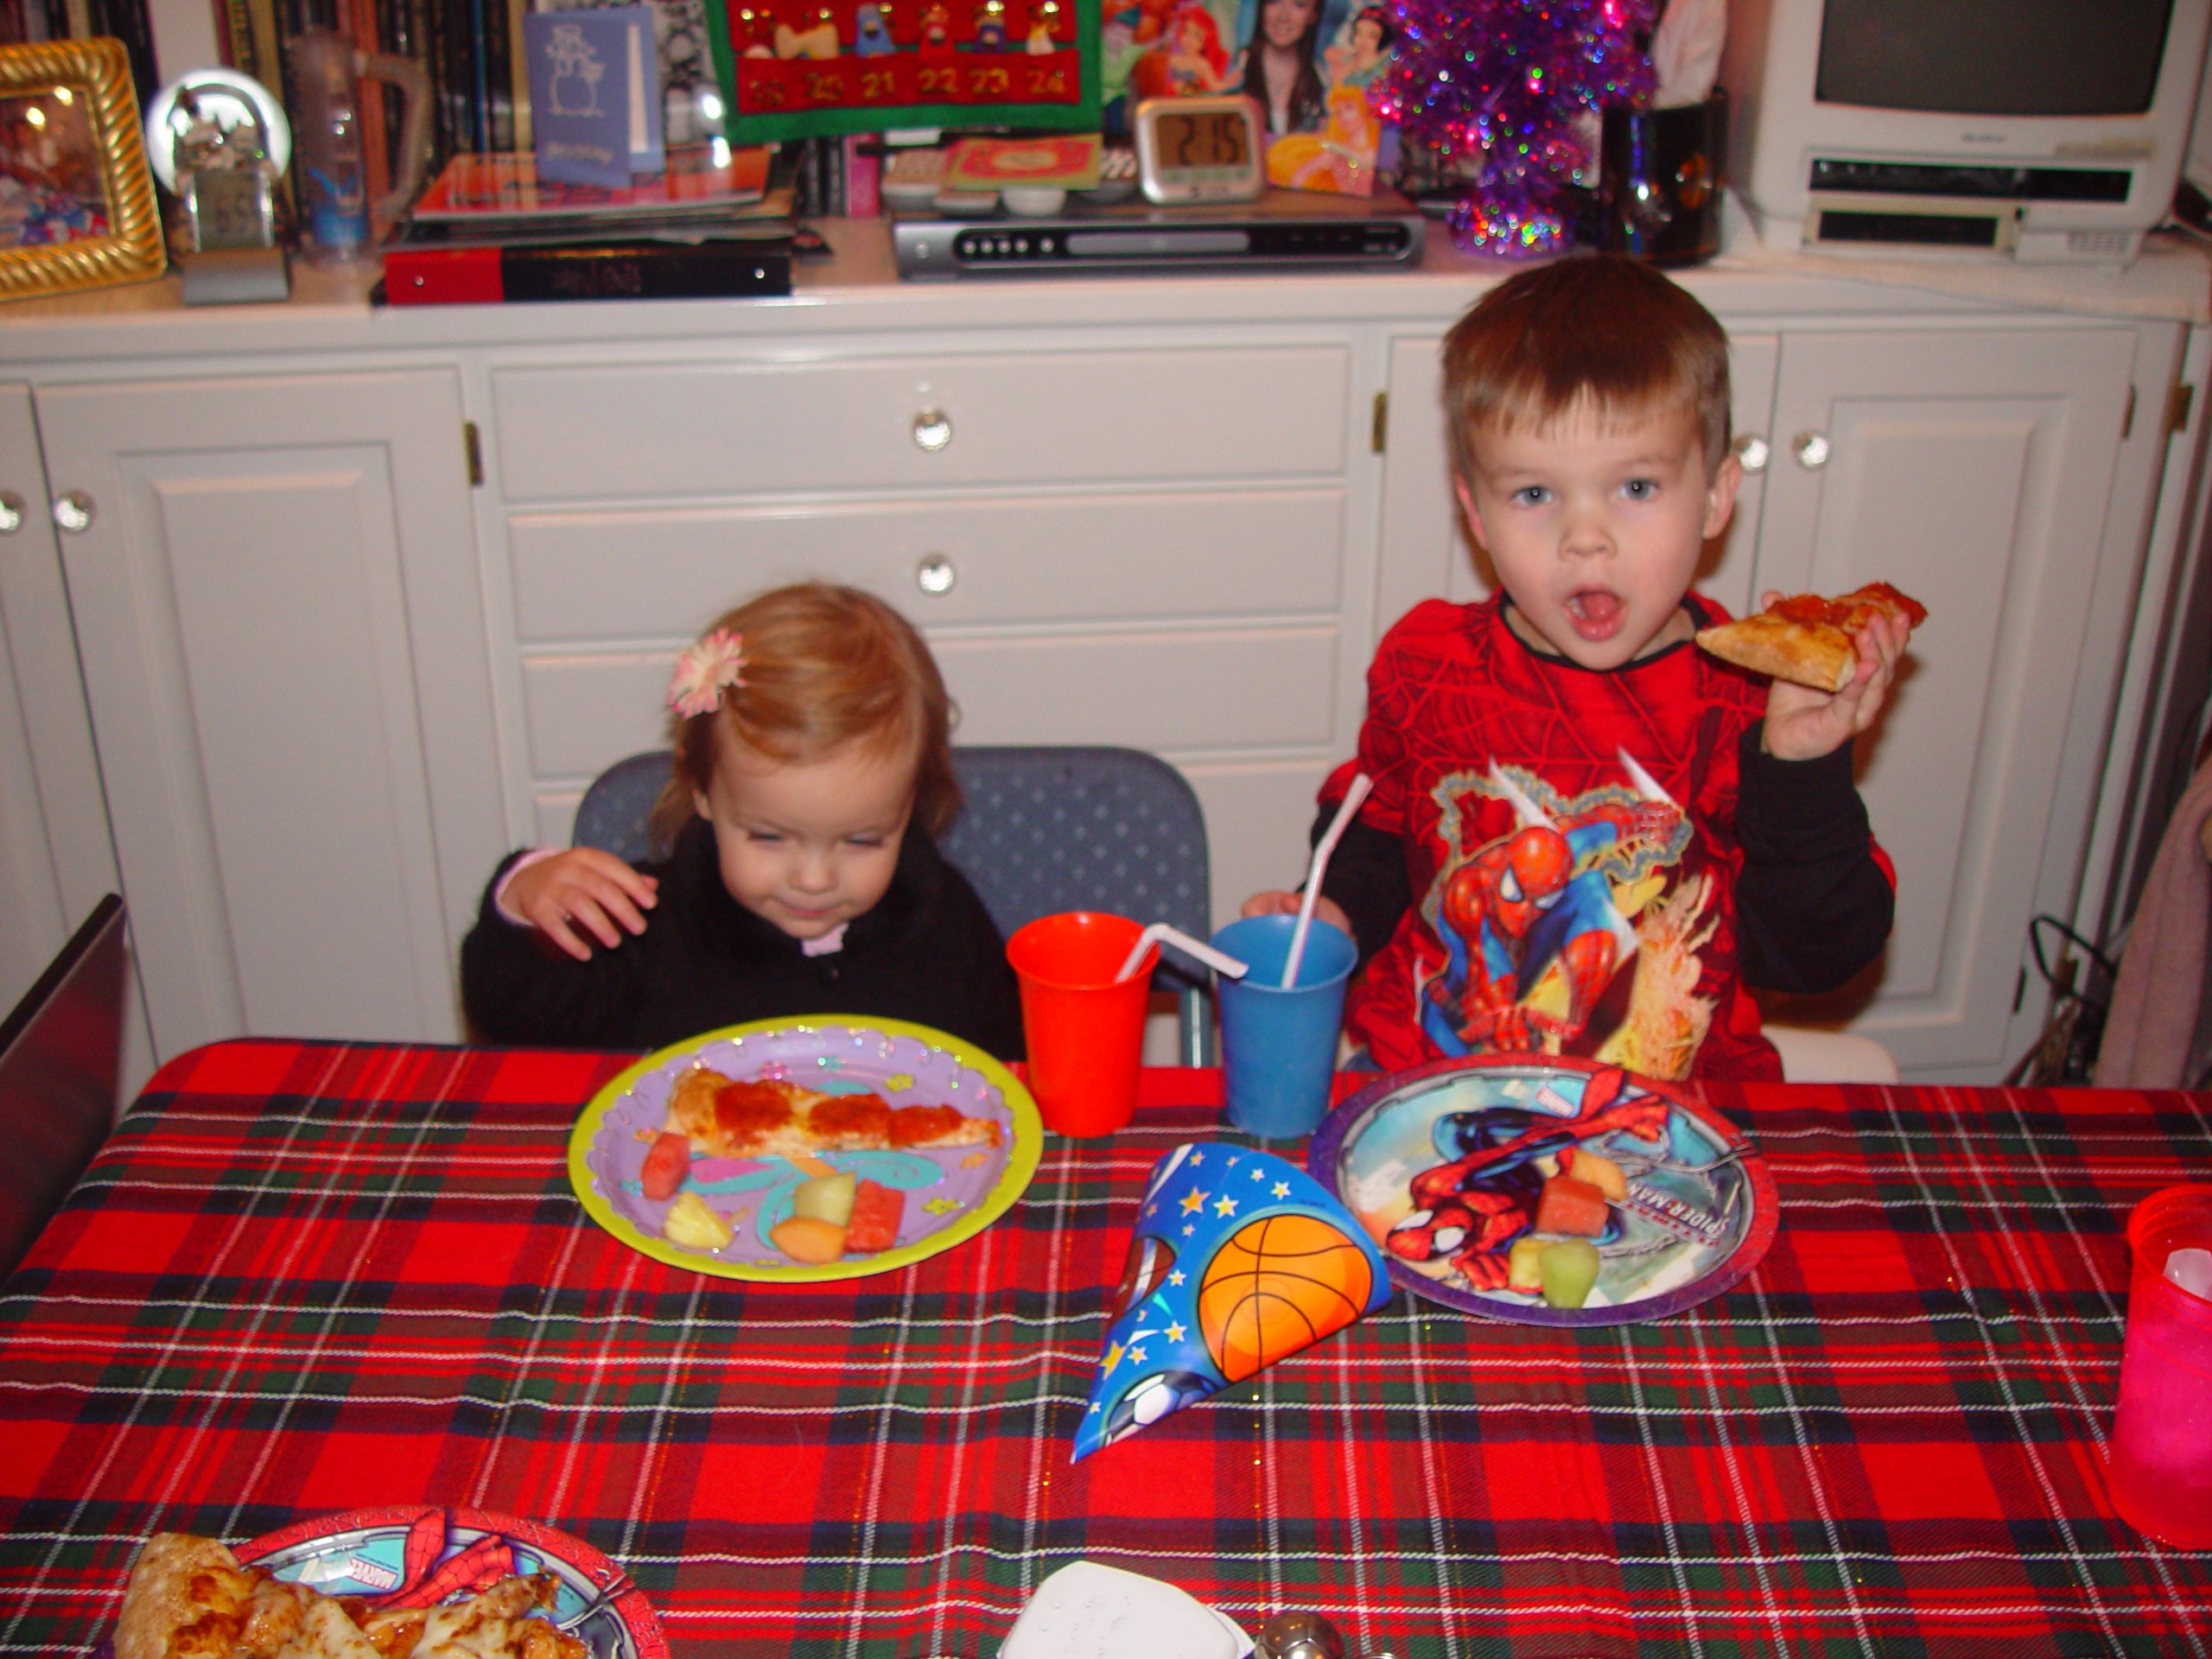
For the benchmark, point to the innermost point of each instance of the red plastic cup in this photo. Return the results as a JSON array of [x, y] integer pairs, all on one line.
[[2162, 1432], [1084, 1030]]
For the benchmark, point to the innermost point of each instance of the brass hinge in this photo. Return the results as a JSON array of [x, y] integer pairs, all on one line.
[[473, 446], [2181, 399], [1378, 436]]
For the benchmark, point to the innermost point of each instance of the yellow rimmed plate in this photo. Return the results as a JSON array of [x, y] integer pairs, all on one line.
[[953, 1192]]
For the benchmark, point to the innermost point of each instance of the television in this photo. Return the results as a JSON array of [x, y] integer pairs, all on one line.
[[2040, 130]]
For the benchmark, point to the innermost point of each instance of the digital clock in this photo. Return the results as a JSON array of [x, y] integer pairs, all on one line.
[[1201, 149]]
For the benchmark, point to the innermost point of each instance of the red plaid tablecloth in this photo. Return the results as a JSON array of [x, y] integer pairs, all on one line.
[[307, 1278]]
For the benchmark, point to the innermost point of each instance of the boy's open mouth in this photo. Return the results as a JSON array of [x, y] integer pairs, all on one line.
[[1597, 613]]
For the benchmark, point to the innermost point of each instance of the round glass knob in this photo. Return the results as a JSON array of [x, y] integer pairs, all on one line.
[[1751, 452], [1811, 450], [73, 511], [934, 574], [932, 429], [11, 512]]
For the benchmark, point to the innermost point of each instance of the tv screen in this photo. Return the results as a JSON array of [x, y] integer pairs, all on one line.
[[1993, 57]]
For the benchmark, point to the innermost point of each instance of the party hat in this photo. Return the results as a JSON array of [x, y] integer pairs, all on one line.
[[1239, 1260]]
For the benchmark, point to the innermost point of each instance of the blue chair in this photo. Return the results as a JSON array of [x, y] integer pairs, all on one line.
[[1044, 829]]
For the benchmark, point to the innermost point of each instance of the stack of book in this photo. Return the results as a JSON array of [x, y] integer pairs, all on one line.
[[489, 229]]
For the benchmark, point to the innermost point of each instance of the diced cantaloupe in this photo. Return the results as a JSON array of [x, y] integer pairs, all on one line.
[[1601, 1173], [808, 1239]]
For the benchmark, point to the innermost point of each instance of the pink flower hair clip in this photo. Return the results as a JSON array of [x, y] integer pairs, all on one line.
[[702, 672]]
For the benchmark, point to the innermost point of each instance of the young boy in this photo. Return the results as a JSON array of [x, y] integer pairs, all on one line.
[[1586, 835]]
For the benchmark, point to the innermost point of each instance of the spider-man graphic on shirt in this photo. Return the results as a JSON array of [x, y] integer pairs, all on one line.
[[1534, 931]]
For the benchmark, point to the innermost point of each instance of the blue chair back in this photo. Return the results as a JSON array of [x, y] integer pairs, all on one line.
[[1044, 829]]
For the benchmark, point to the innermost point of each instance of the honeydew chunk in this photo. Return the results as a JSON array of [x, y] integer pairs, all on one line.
[[825, 1198], [808, 1239], [1522, 1271], [692, 1224], [1569, 1268], [1569, 1205]]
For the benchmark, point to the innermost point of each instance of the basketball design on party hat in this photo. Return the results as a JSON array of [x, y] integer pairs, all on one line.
[[1277, 1285], [1239, 1260]]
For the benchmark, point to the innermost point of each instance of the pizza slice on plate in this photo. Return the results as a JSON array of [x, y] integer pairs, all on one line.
[[1808, 639], [189, 1598], [772, 1117]]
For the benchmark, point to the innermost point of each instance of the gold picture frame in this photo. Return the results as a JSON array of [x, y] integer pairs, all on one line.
[[77, 206]]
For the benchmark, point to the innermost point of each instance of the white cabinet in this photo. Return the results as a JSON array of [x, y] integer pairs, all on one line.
[[279, 626], [1975, 466], [54, 859]]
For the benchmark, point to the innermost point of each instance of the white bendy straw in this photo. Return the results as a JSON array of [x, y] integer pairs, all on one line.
[[1205, 953], [1361, 784]]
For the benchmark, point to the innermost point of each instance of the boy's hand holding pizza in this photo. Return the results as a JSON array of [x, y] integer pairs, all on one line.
[[1833, 663]]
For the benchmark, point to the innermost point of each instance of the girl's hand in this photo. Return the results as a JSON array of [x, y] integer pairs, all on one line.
[[584, 886], [1804, 724], [1286, 904]]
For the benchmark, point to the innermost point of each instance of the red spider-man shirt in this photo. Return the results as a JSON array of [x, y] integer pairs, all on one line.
[[1561, 859]]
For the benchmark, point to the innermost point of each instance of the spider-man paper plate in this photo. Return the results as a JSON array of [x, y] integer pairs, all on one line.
[[1444, 1165]]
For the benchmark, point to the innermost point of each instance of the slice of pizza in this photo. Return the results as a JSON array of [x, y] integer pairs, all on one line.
[[767, 1117], [188, 1597], [1808, 639]]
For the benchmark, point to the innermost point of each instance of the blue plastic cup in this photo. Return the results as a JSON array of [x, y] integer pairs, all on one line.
[[1279, 1047]]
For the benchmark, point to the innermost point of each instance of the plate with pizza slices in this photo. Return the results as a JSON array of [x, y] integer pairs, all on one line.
[[789, 1152], [394, 1579], [1548, 1191]]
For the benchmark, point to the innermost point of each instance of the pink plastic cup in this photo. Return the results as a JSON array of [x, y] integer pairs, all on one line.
[[2162, 1432], [1083, 1029]]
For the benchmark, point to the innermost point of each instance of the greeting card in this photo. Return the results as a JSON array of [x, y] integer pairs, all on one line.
[[594, 89]]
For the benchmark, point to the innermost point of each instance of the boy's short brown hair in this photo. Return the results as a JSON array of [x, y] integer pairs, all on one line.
[[825, 667], [1614, 331]]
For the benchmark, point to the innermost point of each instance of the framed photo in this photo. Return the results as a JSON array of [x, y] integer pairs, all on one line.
[[77, 206]]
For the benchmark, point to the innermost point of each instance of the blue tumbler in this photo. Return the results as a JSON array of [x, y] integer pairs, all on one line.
[[1279, 1047]]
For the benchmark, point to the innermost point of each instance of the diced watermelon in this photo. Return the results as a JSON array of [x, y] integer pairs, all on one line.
[[1571, 1206], [877, 1211], [667, 1162]]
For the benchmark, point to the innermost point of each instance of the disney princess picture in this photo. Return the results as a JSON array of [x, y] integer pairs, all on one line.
[[51, 185]]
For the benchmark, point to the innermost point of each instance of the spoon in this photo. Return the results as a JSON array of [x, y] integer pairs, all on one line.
[[1299, 1636]]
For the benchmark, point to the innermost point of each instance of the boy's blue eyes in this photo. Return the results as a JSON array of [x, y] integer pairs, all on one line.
[[1537, 495]]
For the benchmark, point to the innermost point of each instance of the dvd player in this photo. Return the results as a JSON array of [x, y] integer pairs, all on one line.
[[1284, 230]]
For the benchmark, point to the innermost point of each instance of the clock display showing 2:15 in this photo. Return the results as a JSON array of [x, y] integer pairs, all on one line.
[[1214, 139]]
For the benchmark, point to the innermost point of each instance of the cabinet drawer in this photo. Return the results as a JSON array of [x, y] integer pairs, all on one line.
[[595, 434], [581, 577], [1257, 687]]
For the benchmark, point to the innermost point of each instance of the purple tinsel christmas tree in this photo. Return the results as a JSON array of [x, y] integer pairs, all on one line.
[[1499, 89]]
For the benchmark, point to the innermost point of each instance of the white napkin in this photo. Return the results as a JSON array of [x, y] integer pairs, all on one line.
[[1686, 51], [1087, 1611]]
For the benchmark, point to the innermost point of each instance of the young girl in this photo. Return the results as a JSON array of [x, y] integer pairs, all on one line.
[[813, 764]]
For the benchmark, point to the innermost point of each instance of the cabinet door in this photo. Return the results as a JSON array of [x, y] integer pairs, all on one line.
[[277, 610], [1972, 469], [1425, 551]]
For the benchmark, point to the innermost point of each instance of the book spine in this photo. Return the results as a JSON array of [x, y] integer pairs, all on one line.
[[656, 271]]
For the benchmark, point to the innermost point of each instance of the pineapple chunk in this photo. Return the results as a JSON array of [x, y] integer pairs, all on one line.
[[692, 1224]]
